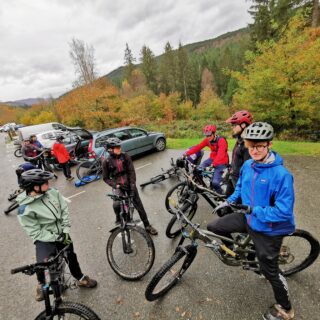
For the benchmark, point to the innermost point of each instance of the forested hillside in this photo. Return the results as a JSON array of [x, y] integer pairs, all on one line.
[[272, 69]]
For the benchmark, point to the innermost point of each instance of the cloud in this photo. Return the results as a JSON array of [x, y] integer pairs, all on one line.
[[35, 35]]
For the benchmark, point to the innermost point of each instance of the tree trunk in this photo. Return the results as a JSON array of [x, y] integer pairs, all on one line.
[[315, 14]]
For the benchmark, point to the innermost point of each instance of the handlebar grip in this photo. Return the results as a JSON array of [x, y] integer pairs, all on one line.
[[20, 269], [239, 206]]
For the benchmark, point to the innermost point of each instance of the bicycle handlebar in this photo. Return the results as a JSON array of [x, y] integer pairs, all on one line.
[[32, 268], [119, 198]]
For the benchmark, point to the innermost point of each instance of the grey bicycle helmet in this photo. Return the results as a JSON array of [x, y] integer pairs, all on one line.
[[112, 143], [259, 131], [35, 177]]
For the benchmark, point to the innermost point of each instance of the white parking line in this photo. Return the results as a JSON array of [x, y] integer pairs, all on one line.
[[75, 195], [148, 164]]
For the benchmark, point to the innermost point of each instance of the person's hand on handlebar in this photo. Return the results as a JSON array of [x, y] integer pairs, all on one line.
[[223, 208], [65, 238]]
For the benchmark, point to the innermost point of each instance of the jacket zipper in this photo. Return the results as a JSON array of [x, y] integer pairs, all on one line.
[[53, 214], [252, 194]]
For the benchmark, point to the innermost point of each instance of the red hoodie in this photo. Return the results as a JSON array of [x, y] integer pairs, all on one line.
[[60, 152], [218, 147]]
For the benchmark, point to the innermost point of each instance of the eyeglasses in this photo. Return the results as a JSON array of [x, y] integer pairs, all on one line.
[[209, 135], [258, 148]]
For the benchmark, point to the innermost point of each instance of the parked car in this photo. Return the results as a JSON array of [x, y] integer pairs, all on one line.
[[74, 138], [134, 140]]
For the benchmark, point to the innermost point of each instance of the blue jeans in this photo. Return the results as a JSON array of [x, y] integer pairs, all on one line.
[[218, 171]]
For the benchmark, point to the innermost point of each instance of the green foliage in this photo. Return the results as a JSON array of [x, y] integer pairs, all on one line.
[[282, 84], [282, 147]]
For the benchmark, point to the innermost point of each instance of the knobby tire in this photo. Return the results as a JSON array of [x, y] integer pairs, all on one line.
[[289, 259], [68, 308], [152, 293], [149, 255], [175, 227]]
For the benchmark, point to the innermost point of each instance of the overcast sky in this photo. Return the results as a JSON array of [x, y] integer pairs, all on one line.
[[35, 35]]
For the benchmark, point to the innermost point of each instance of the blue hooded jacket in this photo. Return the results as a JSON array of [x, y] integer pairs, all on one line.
[[268, 189]]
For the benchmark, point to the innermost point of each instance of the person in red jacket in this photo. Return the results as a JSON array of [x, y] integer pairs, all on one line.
[[61, 153], [219, 158]]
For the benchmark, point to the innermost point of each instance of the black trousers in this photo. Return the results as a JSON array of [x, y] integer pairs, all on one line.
[[267, 251], [66, 169], [136, 202], [44, 250]]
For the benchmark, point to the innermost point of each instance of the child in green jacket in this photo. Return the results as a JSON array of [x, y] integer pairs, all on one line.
[[44, 215]]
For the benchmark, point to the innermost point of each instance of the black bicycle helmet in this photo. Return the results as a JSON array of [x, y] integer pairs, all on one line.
[[35, 177], [112, 143], [259, 131]]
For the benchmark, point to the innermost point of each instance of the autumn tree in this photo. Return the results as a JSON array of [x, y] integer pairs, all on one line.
[[82, 56], [281, 85]]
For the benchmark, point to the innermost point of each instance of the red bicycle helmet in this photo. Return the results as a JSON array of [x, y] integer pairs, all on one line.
[[243, 116], [209, 129]]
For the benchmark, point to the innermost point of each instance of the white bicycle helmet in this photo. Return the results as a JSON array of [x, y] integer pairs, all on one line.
[[259, 131]]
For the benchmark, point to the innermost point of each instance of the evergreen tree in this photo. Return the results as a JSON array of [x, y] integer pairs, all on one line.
[[168, 70], [149, 68], [183, 72], [128, 62]]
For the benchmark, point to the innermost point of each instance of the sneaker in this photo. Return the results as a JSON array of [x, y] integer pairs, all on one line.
[[70, 178], [150, 229], [86, 282], [39, 293], [276, 312]]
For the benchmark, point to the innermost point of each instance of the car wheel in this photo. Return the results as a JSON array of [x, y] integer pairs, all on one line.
[[160, 144]]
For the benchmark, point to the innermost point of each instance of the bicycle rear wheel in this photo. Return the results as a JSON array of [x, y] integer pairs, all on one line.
[[88, 168], [298, 251], [70, 310], [174, 227], [170, 273], [153, 180], [133, 265]]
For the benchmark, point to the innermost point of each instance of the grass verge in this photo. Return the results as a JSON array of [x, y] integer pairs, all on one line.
[[282, 147]]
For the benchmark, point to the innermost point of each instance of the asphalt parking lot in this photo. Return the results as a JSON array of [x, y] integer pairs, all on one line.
[[209, 290]]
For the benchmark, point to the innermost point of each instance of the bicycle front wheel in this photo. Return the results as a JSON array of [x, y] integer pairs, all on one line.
[[70, 310], [179, 193], [137, 260], [175, 227], [88, 168], [18, 153], [298, 251], [170, 273]]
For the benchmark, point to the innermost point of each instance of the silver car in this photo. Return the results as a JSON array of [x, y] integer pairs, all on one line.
[[134, 140]]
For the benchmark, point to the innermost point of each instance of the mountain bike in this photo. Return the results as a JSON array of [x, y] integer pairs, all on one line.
[[55, 285], [299, 250], [166, 174], [130, 249], [186, 195], [91, 168]]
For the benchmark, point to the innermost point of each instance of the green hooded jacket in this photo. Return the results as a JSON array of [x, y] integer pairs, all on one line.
[[44, 217]]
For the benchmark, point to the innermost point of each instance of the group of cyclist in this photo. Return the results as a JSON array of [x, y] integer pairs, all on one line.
[[258, 180], [31, 149]]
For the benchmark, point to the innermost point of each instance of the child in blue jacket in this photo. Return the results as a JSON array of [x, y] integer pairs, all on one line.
[[266, 187]]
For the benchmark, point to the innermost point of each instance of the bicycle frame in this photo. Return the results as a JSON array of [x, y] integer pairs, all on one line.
[[54, 266], [126, 218], [241, 247], [196, 179]]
